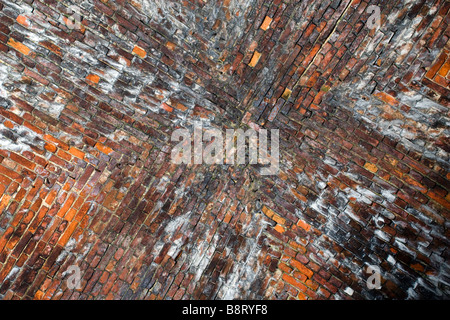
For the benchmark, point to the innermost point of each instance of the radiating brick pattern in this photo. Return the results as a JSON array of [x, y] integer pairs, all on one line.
[[87, 111]]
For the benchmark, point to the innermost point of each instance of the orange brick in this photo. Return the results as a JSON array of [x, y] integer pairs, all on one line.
[[140, 52], [79, 202], [311, 55], [23, 20], [12, 116], [439, 199], [300, 276], [104, 277], [170, 45], [387, 98], [303, 225], [70, 200], [70, 214], [286, 94], [102, 148], [64, 155], [50, 147], [442, 81], [255, 58], [19, 46], [414, 183], [8, 124], [83, 218], [51, 196], [67, 233], [37, 220], [93, 78], [77, 153], [266, 23], [4, 202], [22, 161], [166, 107], [280, 228], [436, 66], [278, 219], [268, 212], [289, 279], [302, 296], [3, 187], [371, 167], [300, 267], [312, 284], [32, 127], [10, 173], [227, 218], [445, 69], [39, 295], [284, 267], [297, 246], [60, 144]]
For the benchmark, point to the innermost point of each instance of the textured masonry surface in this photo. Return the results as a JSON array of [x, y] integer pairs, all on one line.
[[86, 115]]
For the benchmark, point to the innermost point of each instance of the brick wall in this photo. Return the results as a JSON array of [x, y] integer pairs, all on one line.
[[86, 115]]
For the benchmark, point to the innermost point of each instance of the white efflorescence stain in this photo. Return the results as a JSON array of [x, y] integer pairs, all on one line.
[[4, 71], [18, 139], [74, 279], [245, 272]]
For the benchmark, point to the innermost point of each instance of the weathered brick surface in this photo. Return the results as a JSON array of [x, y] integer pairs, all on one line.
[[86, 115]]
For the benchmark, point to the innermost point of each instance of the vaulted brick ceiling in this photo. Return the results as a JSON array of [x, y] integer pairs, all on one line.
[[87, 112]]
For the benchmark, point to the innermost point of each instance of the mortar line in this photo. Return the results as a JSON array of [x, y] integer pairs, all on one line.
[[325, 42]]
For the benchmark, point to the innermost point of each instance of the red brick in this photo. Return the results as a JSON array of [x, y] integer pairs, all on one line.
[[294, 282]]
